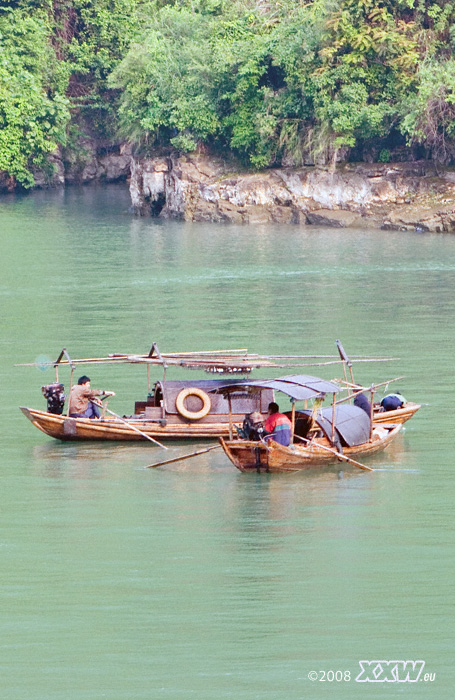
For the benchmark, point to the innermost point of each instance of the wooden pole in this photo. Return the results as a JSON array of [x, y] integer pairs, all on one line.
[[371, 412], [340, 455], [314, 412], [346, 361], [69, 393], [293, 421], [206, 352], [179, 459], [253, 361], [359, 391], [230, 416]]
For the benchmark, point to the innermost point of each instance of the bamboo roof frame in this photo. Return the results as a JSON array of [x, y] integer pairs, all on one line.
[[221, 361]]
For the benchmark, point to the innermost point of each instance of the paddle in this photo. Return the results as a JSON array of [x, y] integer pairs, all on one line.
[[179, 459], [133, 427], [338, 454]]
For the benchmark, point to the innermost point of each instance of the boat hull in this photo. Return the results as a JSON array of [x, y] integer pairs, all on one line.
[[253, 456], [400, 415], [62, 427]]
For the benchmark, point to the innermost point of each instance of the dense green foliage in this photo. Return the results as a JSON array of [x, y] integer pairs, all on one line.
[[55, 58], [33, 106], [268, 81]]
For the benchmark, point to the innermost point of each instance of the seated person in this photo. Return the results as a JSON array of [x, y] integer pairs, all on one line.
[[362, 402], [278, 426], [393, 401], [81, 404]]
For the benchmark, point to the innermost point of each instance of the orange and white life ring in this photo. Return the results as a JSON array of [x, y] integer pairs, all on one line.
[[193, 391]]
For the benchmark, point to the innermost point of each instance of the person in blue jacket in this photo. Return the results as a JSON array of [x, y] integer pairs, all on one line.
[[393, 401]]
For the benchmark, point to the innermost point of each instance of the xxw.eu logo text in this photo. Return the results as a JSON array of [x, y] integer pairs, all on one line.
[[391, 671]]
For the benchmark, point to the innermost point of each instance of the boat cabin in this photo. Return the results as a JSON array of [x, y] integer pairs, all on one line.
[[199, 400]]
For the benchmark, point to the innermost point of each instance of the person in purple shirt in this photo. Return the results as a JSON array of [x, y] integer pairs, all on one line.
[[362, 402]]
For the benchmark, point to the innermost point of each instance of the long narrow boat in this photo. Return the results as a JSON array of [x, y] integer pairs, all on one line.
[[399, 415], [320, 436], [249, 455], [172, 409]]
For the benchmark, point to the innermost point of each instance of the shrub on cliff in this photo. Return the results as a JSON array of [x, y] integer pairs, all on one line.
[[55, 59], [33, 107], [429, 116], [167, 82], [272, 81]]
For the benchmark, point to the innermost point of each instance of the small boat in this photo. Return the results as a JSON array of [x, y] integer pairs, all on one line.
[[248, 455], [320, 436], [399, 415], [172, 409]]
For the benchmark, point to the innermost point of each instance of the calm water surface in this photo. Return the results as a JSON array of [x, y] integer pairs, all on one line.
[[194, 580]]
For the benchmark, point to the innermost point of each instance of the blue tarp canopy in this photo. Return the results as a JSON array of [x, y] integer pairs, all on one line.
[[298, 386], [351, 423]]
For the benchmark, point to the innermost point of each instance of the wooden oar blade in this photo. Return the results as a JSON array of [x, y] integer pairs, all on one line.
[[179, 459]]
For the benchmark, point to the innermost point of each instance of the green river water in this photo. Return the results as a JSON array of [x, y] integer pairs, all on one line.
[[194, 580]]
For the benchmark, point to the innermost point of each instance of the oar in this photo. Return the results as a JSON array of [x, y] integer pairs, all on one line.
[[179, 459], [133, 427], [339, 455]]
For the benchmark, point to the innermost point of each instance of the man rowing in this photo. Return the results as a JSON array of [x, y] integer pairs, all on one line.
[[82, 401]]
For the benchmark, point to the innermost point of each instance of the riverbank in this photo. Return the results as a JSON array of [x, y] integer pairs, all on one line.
[[393, 196], [198, 188]]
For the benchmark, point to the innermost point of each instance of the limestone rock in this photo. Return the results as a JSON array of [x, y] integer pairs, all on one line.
[[97, 162], [7, 183], [230, 213], [198, 187], [56, 178], [334, 218], [421, 218], [201, 188], [147, 185]]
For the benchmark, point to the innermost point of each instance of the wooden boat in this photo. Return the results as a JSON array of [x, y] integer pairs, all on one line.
[[399, 415], [320, 436], [172, 409], [176, 409], [248, 455]]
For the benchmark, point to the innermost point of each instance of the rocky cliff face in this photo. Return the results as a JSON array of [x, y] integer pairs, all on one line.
[[97, 162], [396, 196], [94, 162], [390, 196]]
